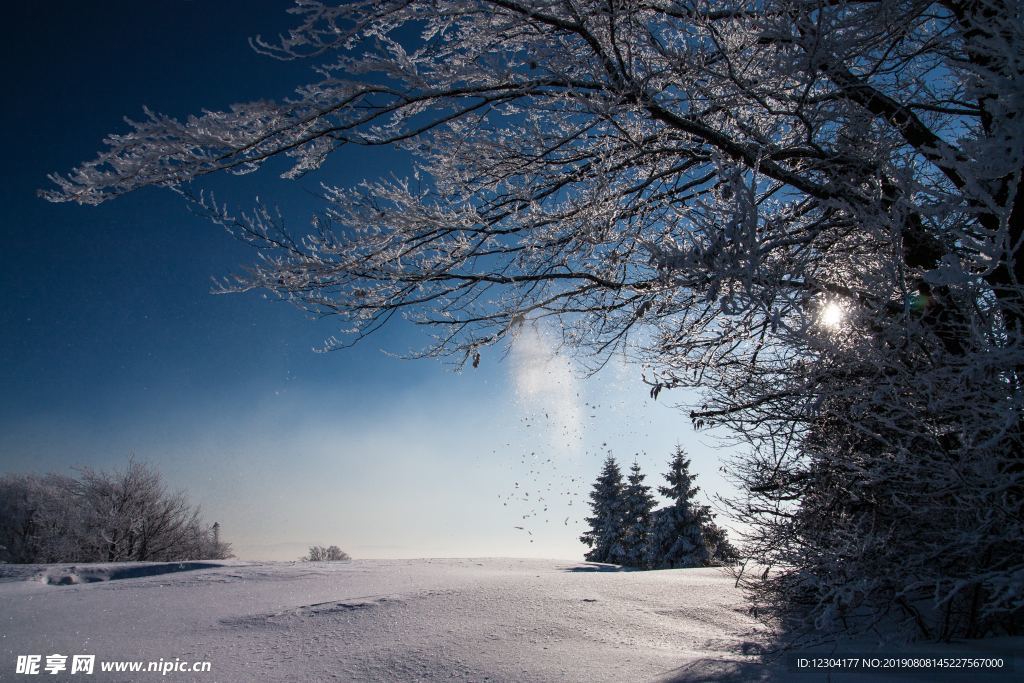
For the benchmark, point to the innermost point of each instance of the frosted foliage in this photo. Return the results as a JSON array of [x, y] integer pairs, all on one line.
[[693, 183], [676, 540]]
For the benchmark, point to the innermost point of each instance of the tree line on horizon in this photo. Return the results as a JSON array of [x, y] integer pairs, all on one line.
[[626, 529], [123, 515]]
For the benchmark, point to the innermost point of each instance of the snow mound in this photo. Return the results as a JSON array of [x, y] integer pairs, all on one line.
[[597, 567], [64, 575]]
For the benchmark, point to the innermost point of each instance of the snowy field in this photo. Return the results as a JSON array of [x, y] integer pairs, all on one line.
[[394, 620]]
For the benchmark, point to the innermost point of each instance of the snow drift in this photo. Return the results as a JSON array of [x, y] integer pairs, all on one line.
[[394, 620]]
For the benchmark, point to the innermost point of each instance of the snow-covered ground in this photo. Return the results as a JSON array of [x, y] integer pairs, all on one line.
[[392, 620]]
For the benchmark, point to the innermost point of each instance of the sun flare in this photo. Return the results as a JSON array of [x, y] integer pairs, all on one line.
[[831, 315]]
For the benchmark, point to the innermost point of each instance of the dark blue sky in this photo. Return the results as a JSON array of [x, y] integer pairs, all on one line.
[[111, 343], [108, 302]]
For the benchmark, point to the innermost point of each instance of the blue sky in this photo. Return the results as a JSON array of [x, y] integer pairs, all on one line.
[[111, 343]]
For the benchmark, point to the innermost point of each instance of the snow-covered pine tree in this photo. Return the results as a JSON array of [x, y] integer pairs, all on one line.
[[677, 536], [722, 550], [637, 507], [604, 538]]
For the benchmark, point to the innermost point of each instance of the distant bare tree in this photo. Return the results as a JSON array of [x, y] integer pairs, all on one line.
[[319, 553]]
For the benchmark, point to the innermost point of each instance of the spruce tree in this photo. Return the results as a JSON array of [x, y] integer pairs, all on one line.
[[638, 504], [677, 537], [604, 538], [722, 550]]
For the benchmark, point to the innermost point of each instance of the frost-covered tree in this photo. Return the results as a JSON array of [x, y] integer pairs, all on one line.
[[809, 209], [677, 533], [133, 516], [207, 543], [39, 520], [607, 524], [637, 506], [114, 516], [17, 513]]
